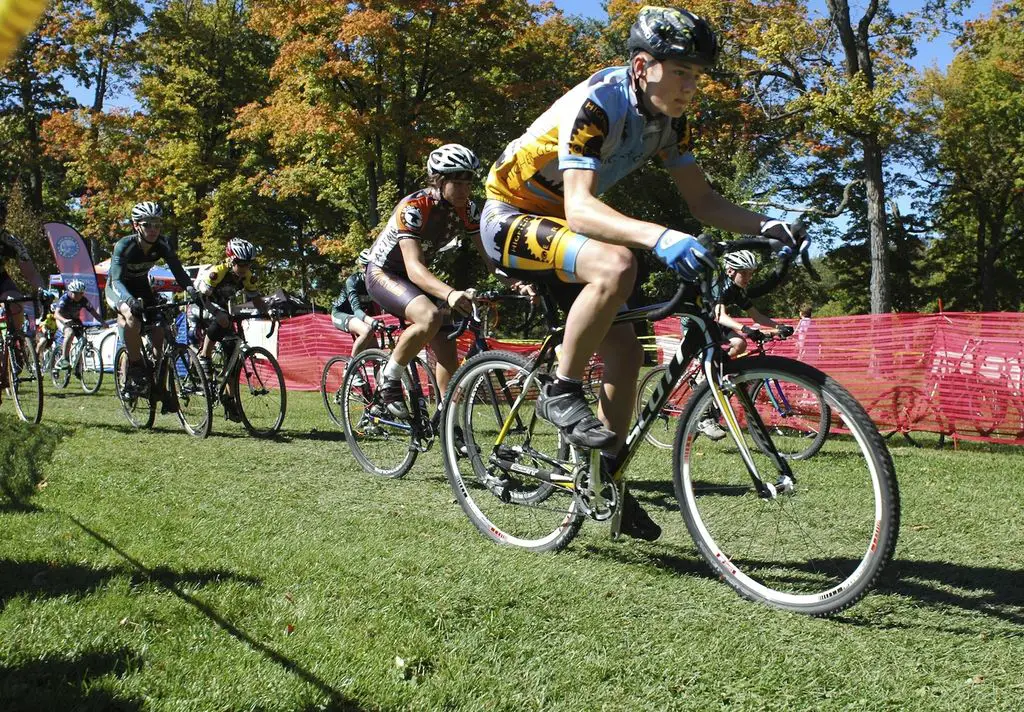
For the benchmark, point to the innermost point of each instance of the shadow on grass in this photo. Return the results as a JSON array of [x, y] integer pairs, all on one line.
[[39, 579], [68, 682], [316, 436], [24, 450], [336, 700], [996, 592]]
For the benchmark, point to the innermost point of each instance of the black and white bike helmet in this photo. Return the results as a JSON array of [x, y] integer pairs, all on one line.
[[741, 259], [668, 33], [240, 250], [76, 285], [146, 210], [452, 158]]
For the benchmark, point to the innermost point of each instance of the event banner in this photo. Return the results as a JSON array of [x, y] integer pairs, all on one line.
[[74, 260]]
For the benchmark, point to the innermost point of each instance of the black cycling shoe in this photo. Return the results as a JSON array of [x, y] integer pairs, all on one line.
[[392, 397], [636, 522], [230, 409], [572, 415]]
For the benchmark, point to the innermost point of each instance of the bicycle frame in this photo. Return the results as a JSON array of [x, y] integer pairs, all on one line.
[[703, 338]]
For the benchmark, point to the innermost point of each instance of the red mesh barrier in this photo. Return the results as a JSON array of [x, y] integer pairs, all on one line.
[[956, 373]]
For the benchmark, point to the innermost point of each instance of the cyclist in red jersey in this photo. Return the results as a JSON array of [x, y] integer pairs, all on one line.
[[399, 280]]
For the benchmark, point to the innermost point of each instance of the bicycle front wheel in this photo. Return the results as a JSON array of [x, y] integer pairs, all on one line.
[[796, 419], [663, 428], [515, 492], [61, 377], [330, 387], [136, 404], [188, 379], [381, 443], [90, 368], [819, 540], [26, 380], [259, 392]]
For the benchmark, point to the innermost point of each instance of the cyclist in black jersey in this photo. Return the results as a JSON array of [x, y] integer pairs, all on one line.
[[739, 268], [348, 310], [128, 290], [12, 247]]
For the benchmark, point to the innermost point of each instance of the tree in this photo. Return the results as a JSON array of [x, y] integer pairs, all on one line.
[[975, 116]]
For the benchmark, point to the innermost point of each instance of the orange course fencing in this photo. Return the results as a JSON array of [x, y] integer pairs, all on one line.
[[958, 374]]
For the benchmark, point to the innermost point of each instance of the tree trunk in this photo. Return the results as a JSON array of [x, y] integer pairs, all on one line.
[[373, 195], [881, 299]]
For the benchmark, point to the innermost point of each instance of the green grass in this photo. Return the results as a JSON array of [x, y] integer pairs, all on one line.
[[156, 571]]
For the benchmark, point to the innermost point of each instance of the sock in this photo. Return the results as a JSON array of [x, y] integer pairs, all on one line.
[[566, 385], [393, 369]]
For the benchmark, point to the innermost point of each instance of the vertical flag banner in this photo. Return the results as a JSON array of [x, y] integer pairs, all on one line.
[[73, 260]]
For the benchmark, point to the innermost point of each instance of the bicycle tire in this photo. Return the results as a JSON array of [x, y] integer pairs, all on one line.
[[90, 365], [593, 379], [192, 390], [25, 380], [815, 549], [259, 369], [662, 431], [331, 380], [800, 432], [60, 377], [139, 409], [381, 444], [529, 513]]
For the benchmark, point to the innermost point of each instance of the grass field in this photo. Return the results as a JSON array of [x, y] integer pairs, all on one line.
[[156, 571]]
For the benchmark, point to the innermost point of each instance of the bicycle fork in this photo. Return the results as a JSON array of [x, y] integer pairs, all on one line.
[[721, 387]]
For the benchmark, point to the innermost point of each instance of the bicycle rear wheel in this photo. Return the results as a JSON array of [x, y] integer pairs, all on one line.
[[380, 443], [797, 420], [90, 368], [137, 406], [26, 380], [663, 429], [188, 379], [515, 493], [822, 541], [259, 391], [330, 387]]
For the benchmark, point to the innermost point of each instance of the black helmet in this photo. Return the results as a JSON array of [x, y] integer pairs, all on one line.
[[668, 33]]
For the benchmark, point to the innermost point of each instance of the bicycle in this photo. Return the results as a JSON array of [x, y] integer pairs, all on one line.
[[384, 445], [20, 375], [799, 421], [248, 378], [84, 360], [333, 374], [176, 378], [792, 534]]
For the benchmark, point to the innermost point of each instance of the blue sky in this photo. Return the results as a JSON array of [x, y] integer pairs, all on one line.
[[936, 52]]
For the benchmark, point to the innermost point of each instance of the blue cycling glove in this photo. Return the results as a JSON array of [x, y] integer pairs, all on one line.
[[683, 253]]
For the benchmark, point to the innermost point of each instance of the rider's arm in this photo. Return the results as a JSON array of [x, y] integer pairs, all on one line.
[[114, 274], [351, 292], [708, 206], [723, 318], [589, 215], [762, 318], [174, 264], [417, 270]]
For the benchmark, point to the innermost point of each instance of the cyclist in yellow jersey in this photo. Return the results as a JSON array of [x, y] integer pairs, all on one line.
[[544, 220]]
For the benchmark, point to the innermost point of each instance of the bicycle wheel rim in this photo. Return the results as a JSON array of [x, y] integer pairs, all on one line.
[[531, 513], [26, 381], [816, 550], [139, 410], [381, 444], [60, 376], [663, 428], [797, 419], [195, 411], [91, 369], [331, 381], [260, 393]]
